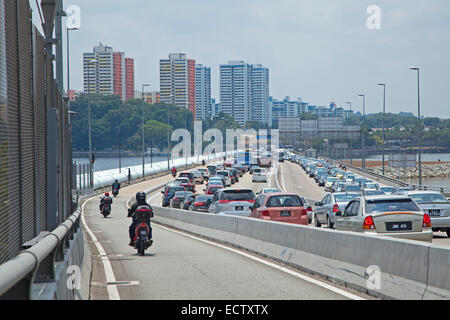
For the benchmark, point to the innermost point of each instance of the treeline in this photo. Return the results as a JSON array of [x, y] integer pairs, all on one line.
[[115, 123]]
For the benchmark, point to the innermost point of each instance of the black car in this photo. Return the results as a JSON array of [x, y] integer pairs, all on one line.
[[201, 203], [178, 199], [185, 205], [168, 194]]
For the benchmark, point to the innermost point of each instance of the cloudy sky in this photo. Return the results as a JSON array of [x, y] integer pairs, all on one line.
[[315, 49]]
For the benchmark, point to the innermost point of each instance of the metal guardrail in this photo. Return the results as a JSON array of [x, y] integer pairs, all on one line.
[[37, 264]]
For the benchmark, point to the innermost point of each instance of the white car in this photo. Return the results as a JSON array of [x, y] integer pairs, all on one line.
[[227, 176], [259, 175]]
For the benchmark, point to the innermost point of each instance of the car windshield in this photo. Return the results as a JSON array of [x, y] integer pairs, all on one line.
[[271, 191], [175, 189], [371, 185], [215, 188], [387, 189], [223, 173], [353, 188], [374, 193], [345, 197], [238, 195], [284, 201], [203, 198], [182, 194], [332, 179], [390, 205], [429, 197]]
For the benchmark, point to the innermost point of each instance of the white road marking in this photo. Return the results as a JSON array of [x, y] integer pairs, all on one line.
[[113, 293], [273, 265]]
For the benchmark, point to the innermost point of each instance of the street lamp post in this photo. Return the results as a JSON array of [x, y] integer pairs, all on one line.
[[351, 150], [384, 115], [168, 133], [419, 125], [143, 130], [91, 183], [363, 137]]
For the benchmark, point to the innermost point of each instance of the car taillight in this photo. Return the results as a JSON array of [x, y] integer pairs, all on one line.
[[426, 221], [265, 213], [224, 201], [335, 208], [369, 224], [309, 209], [199, 204]]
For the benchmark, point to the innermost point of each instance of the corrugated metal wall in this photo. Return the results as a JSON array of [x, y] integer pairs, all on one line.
[[26, 83]]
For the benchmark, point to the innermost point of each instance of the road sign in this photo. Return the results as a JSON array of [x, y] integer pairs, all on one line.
[[402, 160]]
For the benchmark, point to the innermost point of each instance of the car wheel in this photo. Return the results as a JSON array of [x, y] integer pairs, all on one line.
[[316, 222], [448, 233], [329, 224]]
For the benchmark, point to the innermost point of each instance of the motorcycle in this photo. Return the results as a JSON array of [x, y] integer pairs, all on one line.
[[174, 174], [115, 192], [106, 210], [141, 241]]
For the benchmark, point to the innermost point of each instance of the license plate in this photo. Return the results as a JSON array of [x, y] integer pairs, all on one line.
[[399, 226], [239, 208], [435, 213], [285, 213]]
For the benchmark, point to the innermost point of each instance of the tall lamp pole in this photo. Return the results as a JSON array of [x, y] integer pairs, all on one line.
[[143, 130], [384, 115], [351, 150], [91, 183], [363, 137], [419, 124]]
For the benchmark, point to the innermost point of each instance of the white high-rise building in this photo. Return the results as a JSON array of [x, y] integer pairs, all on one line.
[[202, 92], [99, 76], [244, 91], [260, 94], [177, 81]]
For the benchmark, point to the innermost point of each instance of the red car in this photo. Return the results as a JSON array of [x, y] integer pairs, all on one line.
[[280, 207], [212, 189]]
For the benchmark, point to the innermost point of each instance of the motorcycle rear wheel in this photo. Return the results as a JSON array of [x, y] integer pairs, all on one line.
[[141, 249]]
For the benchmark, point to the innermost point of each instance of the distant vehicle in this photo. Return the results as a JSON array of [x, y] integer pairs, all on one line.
[[186, 203], [212, 170], [259, 175], [371, 186], [326, 209], [281, 157], [187, 175], [168, 194], [402, 190], [197, 177], [388, 190], [201, 203], [268, 190], [308, 207], [370, 192], [211, 189], [265, 161], [351, 188], [436, 205], [178, 198], [232, 202], [216, 180], [227, 175], [329, 183], [394, 216], [280, 207], [205, 173]]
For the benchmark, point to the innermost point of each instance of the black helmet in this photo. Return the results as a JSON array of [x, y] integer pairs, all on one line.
[[141, 196], [117, 180]]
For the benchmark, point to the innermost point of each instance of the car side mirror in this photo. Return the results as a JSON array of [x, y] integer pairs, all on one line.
[[338, 214]]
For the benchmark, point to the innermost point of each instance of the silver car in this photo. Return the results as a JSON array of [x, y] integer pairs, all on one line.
[[333, 202], [393, 216], [387, 189], [436, 206], [233, 202], [227, 176]]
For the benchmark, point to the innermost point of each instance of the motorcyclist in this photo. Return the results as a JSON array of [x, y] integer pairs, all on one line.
[[140, 202], [105, 200], [174, 171], [116, 185]]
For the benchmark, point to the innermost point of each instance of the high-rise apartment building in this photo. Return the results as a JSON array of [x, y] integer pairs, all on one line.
[[244, 91], [177, 81], [203, 92], [112, 73]]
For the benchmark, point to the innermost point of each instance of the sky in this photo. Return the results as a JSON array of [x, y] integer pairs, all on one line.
[[319, 50]]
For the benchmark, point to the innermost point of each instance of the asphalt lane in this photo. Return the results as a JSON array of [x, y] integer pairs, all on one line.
[[178, 267]]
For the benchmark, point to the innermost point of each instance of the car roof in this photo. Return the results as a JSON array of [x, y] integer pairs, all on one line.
[[422, 192], [386, 197]]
